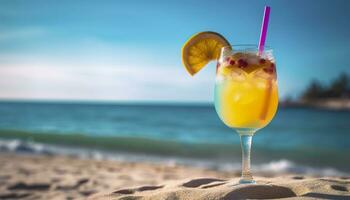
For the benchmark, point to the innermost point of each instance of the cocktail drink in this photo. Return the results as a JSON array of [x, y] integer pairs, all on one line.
[[246, 96]]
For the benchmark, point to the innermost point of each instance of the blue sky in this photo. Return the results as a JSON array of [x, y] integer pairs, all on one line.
[[131, 50]]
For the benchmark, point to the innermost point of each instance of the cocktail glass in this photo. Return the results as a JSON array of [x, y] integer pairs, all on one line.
[[246, 95]]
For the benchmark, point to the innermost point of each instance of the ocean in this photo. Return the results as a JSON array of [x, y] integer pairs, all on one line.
[[298, 140]]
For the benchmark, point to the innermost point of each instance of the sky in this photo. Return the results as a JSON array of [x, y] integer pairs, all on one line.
[[131, 50]]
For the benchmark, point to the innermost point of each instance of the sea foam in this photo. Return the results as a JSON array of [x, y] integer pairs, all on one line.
[[282, 166]]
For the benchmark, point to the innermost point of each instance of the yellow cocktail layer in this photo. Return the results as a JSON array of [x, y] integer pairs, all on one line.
[[246, 104]]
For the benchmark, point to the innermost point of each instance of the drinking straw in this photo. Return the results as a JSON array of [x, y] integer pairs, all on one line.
[[265, 24], [261, 46]]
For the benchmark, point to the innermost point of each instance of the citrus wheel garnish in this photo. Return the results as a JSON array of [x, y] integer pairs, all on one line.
[[202, 48]]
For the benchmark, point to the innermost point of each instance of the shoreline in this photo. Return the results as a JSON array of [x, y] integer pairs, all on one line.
[[232, 162], [327, 103], [320, 104]]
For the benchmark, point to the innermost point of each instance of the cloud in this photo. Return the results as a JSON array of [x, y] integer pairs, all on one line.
[[22, 33], [93, 69], [57, 80]]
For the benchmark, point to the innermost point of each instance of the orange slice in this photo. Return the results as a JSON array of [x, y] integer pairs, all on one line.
[[202, 48]]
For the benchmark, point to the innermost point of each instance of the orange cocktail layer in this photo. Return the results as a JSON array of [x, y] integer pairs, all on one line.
[[246, 104]]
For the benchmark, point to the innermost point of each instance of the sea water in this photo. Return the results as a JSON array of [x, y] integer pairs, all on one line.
[[297, 139]]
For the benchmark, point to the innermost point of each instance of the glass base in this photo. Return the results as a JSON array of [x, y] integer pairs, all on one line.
[[244, 181]]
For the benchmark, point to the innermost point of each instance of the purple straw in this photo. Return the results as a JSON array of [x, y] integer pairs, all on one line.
[[264, 26]]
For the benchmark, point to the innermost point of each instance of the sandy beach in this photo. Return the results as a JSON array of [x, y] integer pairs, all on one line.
[[64, 177]]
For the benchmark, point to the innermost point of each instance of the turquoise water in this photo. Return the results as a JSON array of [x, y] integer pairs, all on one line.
[[305, 137]]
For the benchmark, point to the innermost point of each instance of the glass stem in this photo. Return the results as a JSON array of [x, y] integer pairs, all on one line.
[[246, 143]]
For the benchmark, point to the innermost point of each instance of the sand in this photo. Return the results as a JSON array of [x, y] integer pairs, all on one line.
[[212, 188], [63, 177]]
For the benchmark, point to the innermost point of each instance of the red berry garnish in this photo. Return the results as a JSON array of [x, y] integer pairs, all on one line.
[[262, 61], [269, 70], [232, 62], [242, 63], [272, 65]]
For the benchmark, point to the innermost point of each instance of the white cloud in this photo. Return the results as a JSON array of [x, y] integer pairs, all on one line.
[[93, 69], [22, 33], [57, 80]]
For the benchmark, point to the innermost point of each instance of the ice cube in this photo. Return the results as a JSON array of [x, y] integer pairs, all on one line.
[[260, 73], [238, 74]]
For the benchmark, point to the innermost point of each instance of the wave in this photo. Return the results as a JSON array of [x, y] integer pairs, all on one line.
[[127, 144], [287, 166], [282, 166]]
